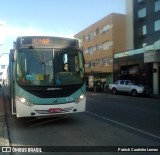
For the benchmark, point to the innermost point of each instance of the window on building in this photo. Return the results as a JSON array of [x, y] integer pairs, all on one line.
[[100, 30], [142, 13], [157, 6], [98, 46], [106, 45], [90, 36], [97, 31], [110, 60], [85, 51], [86, 65], [157, 25], [94, 48], [144, 29], [106, 28], [98, 61], [84, 38], [90, 50], [105, 61], [91, 64]]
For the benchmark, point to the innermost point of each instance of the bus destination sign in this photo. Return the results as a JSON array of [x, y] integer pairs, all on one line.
[[41, 41], [46, 41]]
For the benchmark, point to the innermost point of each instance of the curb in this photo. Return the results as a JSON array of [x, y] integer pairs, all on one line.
[[4, 138]]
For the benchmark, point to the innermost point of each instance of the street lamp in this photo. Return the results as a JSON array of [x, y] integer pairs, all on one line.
[[3, 54]]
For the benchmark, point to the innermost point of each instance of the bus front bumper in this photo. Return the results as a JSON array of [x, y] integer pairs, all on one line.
[[23, 110]]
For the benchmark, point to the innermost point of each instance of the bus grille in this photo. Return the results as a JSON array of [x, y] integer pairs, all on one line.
[[53, 94]]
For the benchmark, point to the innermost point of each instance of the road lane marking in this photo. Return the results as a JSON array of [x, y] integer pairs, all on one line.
[[124, 125]]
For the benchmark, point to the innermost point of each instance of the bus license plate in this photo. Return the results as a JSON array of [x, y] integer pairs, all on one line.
[[55, 110]]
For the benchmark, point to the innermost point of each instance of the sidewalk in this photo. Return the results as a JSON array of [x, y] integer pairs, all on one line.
[[4, 141]]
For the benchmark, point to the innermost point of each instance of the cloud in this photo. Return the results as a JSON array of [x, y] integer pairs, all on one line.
[[30, 31]]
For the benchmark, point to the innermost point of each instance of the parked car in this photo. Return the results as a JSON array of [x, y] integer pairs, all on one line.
[[128, 86]]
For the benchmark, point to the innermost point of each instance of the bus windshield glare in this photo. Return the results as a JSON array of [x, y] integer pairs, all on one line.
[[48, 67]]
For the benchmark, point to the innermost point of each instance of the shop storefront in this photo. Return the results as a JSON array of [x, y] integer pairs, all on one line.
[[99, 80], [142, 66]]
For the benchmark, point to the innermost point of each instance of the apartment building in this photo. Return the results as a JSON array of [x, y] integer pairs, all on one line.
[[146, 17], [100, 41], [141, 61]]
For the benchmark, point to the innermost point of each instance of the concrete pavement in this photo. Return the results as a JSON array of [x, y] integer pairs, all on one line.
[[4, 141]]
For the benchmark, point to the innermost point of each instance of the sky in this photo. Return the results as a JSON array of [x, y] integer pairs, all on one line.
[[50, 17]]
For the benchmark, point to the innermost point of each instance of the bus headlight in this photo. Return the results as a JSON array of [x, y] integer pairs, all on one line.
[[24, 101], [81, 97]]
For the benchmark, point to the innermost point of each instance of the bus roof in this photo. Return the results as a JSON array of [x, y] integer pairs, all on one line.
[[46, 41]]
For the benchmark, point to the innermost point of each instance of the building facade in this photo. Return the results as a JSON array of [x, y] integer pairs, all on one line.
[[141, 61], [146, 22], [100, 41]]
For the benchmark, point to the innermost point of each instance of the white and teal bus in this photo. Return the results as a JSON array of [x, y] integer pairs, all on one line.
[[46, 76]]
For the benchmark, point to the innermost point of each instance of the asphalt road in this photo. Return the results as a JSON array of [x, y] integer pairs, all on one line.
[[137, 113], [108, 121]]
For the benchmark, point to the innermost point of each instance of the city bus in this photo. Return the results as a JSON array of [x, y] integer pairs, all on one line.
[[46, 76]]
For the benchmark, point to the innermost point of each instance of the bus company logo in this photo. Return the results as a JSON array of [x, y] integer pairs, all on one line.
[[52, 89]]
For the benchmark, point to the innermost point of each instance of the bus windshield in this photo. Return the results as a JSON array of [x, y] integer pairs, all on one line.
[[49, 67]]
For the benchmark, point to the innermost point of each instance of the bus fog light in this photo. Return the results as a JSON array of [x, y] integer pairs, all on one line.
[[81, 97]]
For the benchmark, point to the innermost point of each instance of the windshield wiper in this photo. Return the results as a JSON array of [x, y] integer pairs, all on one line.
[[42, 60]]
